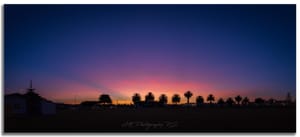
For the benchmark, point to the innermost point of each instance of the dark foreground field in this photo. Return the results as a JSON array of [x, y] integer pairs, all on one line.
[[159, 119]]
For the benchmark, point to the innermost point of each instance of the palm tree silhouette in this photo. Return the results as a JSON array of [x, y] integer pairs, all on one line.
[[199, 100], [105, 99], [176, 98], [210, 98], [163, 99], [221, 101], [188, 95], [136, 98], [149, 97], [238, 99], [245, 101]]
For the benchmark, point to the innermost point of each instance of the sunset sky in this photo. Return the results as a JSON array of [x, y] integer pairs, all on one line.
[[77, 52]]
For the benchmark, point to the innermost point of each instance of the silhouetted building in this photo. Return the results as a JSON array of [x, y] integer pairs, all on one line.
[[15, 104], [29, 103], [48, 107]]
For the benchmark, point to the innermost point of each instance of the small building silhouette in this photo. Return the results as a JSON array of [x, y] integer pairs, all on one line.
[[15, 104], [29, 103]]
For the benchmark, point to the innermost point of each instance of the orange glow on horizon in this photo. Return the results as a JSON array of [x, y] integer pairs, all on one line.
[[74, 92]]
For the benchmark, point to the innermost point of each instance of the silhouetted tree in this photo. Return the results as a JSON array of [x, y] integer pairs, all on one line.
[[136, 98], [238, 99], [210, 98], [199, 100], [176, 98], [259, 101], [230, 101], [149, 97], [245, 101], [163, 99], [221, 101], [105, 99], [188, 95]]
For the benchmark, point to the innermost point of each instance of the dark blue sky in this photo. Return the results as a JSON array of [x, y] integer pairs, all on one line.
[[121, 49]]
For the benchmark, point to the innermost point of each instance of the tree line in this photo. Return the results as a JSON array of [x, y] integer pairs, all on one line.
[[176, 99]]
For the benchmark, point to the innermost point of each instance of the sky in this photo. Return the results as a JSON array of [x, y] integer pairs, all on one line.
[[74, 53]]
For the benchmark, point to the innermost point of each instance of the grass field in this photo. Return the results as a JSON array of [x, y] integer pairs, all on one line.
[[159, 119]]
